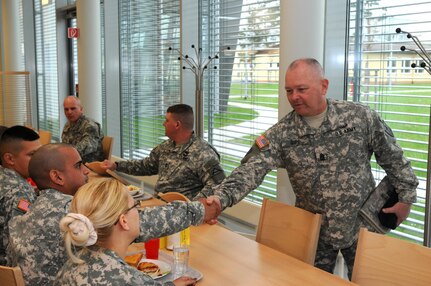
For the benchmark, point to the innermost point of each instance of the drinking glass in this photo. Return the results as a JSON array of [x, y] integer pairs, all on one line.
[[181, 259]]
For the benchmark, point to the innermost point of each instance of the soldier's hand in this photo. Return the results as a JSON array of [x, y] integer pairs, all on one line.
[[108, 165], [214, 200], [401, 210], [211, 211]]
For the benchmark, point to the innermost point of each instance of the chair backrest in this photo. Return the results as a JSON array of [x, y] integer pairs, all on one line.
[[173, 196], [45, 137], [289, 229], [11, 276], [107, 144], [383, 260]]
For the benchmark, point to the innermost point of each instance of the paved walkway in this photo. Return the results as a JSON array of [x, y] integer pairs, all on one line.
[[266, 118]]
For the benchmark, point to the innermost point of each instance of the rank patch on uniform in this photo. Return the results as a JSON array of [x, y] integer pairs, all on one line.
[[262, 142], [23, 205]]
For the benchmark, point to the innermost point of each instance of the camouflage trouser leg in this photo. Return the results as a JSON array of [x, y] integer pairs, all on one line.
[[326, 257], [349, 256]]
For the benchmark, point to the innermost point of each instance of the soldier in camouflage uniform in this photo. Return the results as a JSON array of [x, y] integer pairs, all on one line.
[[80, 131], [105, 219], [16, 194], [325, 145], [35, 241], [184, 163]]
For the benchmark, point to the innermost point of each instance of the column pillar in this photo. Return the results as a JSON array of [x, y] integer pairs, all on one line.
[[301, 35], [89, 57], [12, 96]]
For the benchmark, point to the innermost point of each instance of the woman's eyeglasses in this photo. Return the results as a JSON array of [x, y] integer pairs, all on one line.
[[136, 205]]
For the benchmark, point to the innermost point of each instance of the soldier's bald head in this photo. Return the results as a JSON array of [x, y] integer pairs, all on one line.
[[314, 64], [72, 99]]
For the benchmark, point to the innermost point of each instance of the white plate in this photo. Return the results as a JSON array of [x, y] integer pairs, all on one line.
[[142, 196], [165, 268], [135, 192]]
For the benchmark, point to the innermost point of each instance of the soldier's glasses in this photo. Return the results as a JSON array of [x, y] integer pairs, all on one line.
[[136, 205]]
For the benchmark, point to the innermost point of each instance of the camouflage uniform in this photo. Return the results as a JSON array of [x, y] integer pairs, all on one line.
[[35, 241], [86, 136], [329, 167], [190, 168], [102, 267], [169, 219], [36, 244], [15, 196]]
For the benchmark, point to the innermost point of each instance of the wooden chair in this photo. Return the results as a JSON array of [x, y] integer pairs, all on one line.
[[44, 137], [107, 144], [11, 276], [382, 260], [173, 196], [289, 229]]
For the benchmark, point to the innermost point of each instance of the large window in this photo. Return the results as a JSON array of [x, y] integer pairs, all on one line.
[[242, 99], [382, 78], [150, 73]]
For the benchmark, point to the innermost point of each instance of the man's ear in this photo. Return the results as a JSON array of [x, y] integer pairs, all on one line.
[[122, 221], [56, 177], [9, 159]]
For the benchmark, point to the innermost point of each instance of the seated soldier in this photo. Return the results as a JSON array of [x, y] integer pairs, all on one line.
[[80, 131], [17, 145]]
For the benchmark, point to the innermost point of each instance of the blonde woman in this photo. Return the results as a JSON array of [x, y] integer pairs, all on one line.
[[103, 220]]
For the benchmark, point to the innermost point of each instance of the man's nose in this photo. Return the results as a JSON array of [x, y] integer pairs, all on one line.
[[294, 95]]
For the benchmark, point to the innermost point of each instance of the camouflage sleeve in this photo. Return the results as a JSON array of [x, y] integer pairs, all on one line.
[[254, 166], [91, 136], [389, 156], [21, 201], [144, 167], [245, 178], [169, 219]]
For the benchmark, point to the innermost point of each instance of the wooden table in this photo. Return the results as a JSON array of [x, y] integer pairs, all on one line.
[[227, 258]]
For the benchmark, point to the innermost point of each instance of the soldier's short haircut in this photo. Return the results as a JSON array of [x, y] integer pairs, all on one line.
[[2, 129], [48, 157], [13, 136], [183, 113], [309, 61]]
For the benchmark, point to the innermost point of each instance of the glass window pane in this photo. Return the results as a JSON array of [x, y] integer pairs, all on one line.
[[150, 73], [242, 93], [383, 78]]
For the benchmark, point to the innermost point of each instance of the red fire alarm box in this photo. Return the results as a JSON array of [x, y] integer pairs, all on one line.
[[73, 33]]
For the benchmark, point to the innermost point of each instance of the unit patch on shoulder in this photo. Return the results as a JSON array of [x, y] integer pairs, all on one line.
[[23, 205], [262, 142]]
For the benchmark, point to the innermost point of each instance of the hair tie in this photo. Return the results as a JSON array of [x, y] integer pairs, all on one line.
[[80, 225]]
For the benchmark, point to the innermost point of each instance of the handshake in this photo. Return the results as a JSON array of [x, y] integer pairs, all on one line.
[[212, 209]]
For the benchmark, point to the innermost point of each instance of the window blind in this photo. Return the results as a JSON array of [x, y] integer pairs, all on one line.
[[150, 73], [46, 68], [380, 75], [242, 99]]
